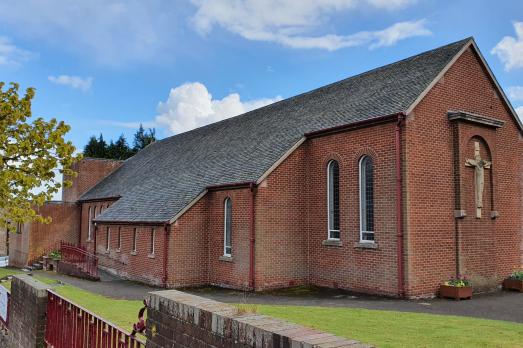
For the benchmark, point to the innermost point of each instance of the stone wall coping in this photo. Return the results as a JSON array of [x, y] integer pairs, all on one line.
[[246, 327], [33, 282]]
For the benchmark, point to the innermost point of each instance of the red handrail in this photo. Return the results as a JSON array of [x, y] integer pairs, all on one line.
[[80, 257], [69, 325]]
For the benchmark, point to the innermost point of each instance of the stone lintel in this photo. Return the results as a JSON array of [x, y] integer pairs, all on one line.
[[474, 118]]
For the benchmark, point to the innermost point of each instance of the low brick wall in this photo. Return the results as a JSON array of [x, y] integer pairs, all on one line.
[[72, 270], [27, 312], [178, 319]]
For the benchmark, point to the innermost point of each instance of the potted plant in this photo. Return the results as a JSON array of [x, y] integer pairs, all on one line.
[[457, 288], [514, 281], [55, 257]]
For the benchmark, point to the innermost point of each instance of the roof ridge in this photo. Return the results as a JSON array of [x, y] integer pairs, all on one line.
[[165, 177], [275, 104]]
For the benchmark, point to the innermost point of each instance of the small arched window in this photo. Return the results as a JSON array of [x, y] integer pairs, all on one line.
[[108, 239], [89, 223], [366, 199], [135, 239], [333, 199], [227, 226]]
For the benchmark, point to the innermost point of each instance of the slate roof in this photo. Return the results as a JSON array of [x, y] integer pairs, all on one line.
[[159, 181]]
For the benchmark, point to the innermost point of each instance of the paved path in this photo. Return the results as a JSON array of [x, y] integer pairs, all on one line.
[[500, 305], [108, 285]]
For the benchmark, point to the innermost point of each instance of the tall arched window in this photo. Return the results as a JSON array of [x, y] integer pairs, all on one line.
[[333, 199], [366, 199], [227, 226], [108, 239], [89, 223]]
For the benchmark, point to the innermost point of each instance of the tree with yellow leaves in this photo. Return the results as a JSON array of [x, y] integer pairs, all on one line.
[[30, 152]]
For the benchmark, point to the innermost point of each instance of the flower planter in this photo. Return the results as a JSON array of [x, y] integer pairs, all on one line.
[[454, 292], [513, 284]]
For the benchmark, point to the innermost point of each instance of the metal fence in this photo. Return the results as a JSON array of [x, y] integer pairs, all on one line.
[[71, 326]]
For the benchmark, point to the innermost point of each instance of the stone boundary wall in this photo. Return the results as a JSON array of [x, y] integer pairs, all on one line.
[[27, 312], [178, 319]]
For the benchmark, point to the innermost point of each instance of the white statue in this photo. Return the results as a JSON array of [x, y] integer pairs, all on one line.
[[479, 176]]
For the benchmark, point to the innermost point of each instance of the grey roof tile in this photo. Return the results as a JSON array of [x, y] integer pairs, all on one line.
[[163, 178]]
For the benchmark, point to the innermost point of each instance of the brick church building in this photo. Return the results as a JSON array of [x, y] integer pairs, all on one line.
[[388, 182]]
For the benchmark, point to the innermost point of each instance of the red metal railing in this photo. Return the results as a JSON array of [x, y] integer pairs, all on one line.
[[71, 326], [80, 257]]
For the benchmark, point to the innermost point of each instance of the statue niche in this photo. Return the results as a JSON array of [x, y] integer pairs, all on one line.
[[479, 165]]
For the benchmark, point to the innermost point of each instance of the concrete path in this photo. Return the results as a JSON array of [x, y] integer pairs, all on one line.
[[108, 285], [501, 305]]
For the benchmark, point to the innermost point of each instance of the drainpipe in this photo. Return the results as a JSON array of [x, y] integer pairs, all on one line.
[[165, 252], [399, 207], [253, 237]]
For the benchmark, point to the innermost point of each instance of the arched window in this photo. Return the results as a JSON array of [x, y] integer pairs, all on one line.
[[227, 223], [135, 239], [333, 199], [108, 239], [366, 199], [151, 242], [89, 223], [119, 238]]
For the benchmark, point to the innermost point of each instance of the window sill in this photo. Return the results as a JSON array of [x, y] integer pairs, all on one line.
[[107, 251], [118, 250], [332, 242], [226, 258], [151, 256], [366, 245], [134, 253]]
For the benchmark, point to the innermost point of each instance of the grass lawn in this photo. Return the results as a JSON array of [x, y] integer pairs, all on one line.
[[123, 313], [399, 329]]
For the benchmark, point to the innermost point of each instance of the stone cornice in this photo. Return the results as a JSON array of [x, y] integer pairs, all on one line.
[[474, 118]]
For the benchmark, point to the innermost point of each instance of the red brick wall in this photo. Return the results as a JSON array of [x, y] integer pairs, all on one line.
[[234, 271], [84, 232], [350, 266], [37, 239], [489, 248], [188, 248], [90, 172], [281, 225], [141, 265]]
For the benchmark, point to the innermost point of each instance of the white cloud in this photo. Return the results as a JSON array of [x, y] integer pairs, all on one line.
[[191, 105], [110, 32], [10, 54], [75, 82], [519, 111], [290, 25], [515, 92], [510, 50]]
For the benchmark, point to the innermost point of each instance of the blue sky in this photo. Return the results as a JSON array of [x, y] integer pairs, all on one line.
[[106, 66]]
